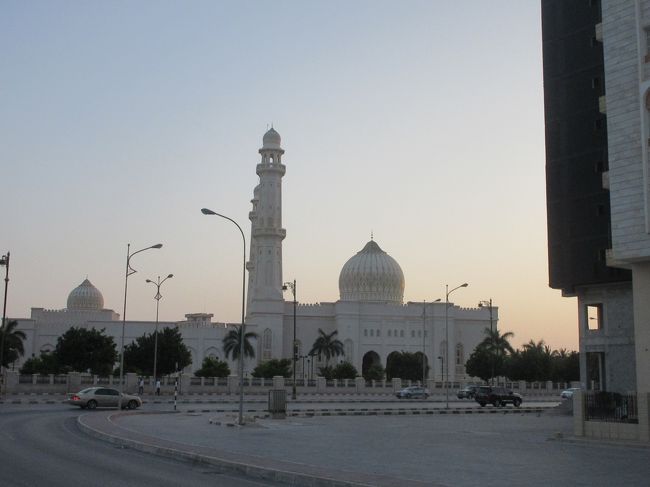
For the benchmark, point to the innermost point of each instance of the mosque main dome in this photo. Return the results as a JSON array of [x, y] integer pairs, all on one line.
[[372, 275], [85, 297]]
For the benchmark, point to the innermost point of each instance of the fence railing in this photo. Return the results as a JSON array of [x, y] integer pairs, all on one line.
[[611, 407]]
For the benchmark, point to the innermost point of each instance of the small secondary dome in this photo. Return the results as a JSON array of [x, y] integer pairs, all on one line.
[[271, 139], [85, 296], [372, 275]]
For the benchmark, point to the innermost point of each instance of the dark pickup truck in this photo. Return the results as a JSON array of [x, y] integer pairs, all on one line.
[[497, 396]]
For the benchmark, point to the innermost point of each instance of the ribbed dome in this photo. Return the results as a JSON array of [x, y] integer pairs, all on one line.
[[372, 275], [85, 296], [271, 139]]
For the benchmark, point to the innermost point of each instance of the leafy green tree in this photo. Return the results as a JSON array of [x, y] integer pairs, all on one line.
[[272, 368], [13, 342], [231, 345], [532, 363], [213, 367], [79, 349], [138, 356], [46, 363], [344, 370], [480, 363], [404, 365], [374, 372], [565, 366], [326, 345]]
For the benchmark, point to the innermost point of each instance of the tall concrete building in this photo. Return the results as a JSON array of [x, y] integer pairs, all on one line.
[[578, 199], [597, 108]]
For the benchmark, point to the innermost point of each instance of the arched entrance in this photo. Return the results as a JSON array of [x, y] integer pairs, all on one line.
[[420, 355], [369, 359]]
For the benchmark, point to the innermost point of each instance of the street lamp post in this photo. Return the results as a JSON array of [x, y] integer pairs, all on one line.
[[442, 367], [5, 262], [424, 340], [129, 271], [206, 211], [482, 304], [292, 286], [447, 293], [157, 297]]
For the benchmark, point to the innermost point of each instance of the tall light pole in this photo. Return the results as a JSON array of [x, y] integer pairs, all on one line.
[[292, 286], [5, 262], [206, 211], [157, 297], [488, 303], [447, 293], [129, 271], [424, 340]]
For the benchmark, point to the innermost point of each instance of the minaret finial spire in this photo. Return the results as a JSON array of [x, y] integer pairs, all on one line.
[[372, 235]]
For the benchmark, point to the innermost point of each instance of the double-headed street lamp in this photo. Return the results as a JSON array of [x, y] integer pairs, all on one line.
[[447, 293], [5, 262], [488, 304], [129, 270], [206, 211], [292, 286], [157, 297]]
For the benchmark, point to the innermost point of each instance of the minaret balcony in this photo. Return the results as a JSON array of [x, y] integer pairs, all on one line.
[[269, 232], [271, 168]]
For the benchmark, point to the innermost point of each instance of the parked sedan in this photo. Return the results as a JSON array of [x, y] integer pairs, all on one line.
[[568, 393], [412, 392], [103, 397]]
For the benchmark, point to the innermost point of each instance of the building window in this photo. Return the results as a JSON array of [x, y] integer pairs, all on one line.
[[594, 314], [378, 333], [365, 333], [419, 333], [395, 333], [372, 333], [389, 333], [267, 344], [459, 354], [401, 333], [412, 333]]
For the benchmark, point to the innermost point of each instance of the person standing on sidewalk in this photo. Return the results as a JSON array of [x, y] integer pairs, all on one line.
[[141, 386], [157, 387]]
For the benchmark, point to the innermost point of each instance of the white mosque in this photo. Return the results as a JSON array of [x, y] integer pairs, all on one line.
[[370, 316]]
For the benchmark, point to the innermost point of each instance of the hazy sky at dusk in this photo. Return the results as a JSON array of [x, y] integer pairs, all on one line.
[[421, 121]]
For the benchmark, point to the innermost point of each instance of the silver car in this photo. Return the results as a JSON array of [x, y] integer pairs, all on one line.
[[103, 397], [568, 393], [413, 391]]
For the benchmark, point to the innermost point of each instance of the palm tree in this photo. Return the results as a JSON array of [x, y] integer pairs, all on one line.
[[327, 345], [13, 342], [498, 346], [231, 343]]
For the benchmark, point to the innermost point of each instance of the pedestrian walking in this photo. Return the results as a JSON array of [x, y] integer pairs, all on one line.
[[157, 387], [141, 386]]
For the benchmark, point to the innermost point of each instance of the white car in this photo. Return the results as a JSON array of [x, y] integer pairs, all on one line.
[[568, 393]]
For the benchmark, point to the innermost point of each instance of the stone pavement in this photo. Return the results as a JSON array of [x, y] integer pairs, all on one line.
[[487, 449]]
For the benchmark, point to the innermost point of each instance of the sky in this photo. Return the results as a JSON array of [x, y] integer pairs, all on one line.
[[419, 121]]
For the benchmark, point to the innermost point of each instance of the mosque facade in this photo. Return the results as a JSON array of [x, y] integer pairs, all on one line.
[[370, 317]]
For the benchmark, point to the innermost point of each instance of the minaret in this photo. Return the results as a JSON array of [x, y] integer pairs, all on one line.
[[265, 264]]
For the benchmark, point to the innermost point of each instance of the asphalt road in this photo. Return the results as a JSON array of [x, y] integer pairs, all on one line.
[[42, 445]]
